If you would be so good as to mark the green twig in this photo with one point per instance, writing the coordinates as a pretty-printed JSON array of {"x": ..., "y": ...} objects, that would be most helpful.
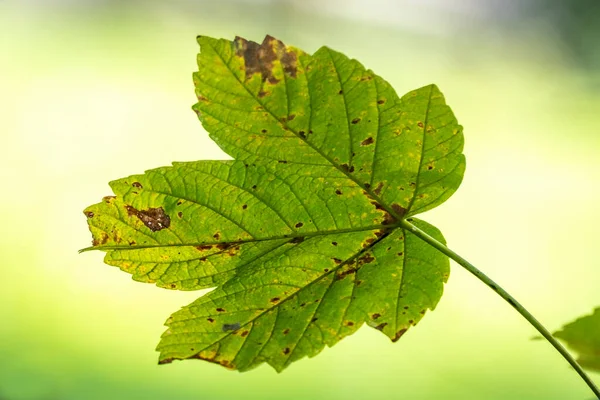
[{"x": 502, "y": 293}]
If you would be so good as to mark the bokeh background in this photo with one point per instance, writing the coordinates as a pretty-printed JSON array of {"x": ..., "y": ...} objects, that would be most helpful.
[{"x": 93, "y": 90}]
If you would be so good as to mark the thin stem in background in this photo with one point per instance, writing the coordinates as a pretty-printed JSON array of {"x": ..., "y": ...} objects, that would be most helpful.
[{"x": 509, "y": 299}]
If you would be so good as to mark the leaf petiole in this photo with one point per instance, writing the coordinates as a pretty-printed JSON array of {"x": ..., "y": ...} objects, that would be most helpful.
[{"x": 504, "y": 294}]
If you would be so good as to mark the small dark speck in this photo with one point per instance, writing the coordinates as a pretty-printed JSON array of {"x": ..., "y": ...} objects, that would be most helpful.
[
  {"x": 220, "y": 309},
  {"x": 245, "y": 206},
  {"x": 89, "y": 214},
  {"x": 264, "y": 131},
  {"x": 253, "y": 186},
  {"x": 286, "y": 351},
  {"x": 334, "y": 243},
  {"x": 137, "y": 185},
  {"x": 299, "y": 225},
  {"x": 356, "y": 121},
  {"x": 314, "y": 319},
  {"x": 338, "y": 192},
  {"x": 180, "y": 214}
]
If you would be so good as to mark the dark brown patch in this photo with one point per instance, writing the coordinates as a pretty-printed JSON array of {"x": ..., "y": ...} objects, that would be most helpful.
[
  {"x": 379, "y": 233},
  {"x": 399, "y": 334},
  {"x": 286, "y": 331},
  {"x": 302, "y": 134},
  {"x": 302, "y": 305},
  {"x": 380, "y": 101},
  {"x": 375, "y": 316},
  {"x": 231, "y": 327},
  {"x": 264, "y": 131},
  {"x": 154, "y": 218},
  {"x": 338, "y": 192},
  {"x": 286, "y": 351},
  {"x": 244, "y": 334},
  {"x": 274, "y": 300},
  {"x": 220, "y": 309},
  {"x": 341, "y": 92},
  {"x": 108, "y": 199},
  {"x": 349, "y": 323},
  {"x": 381, "y": 326},
  {"x": 299, "y": 225},
  {"x": 356, "y": 121},
  {"x": 430, "y": 167},
  {"x": 173, "y": 286},
  {"x": 224, "y": 246},
  {"x": 420, "y": 124},
  {"x": 282, "y": 162},
  {"x": 137, "y": 185},
  {"x": 410, "y": 321},
  {"x": 334, "y": 243},
  {"x": 405, "y": 307},
  {"x": 314, "y": 319},
  {"x": 298, "y": 239},
  {"x": 291, "y": 117},
  {"x": 367, "y": 185},
  {"x": 210, "y": 320},
  {"x": 179, "y": 202},
  {"x": 204, "y": 247},
  {"x": 367, "y": 259},
  {"x": 388, "y": 219},
  {"x": 422, "y": 312},
  {"x": 398, "y": 209},
  {"x": 367, "y": 141},
  {"x": 341, "y": 275},
  {"x": 253, "y": 186},
  {"x": 337, "y": 260},
  {"x": 89, "y": 214},
  {"x": 217, "y": 236},
  {"x": 377, "y": 190},
  {"x": 400, "y": 254},
  {"x": 259, "y": 58},
  {"x": 244, "y": 206},
  {"x": 326, "y": 270}
]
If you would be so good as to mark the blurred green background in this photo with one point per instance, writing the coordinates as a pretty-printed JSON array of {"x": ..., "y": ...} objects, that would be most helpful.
[{"x": 92, "y": 91}]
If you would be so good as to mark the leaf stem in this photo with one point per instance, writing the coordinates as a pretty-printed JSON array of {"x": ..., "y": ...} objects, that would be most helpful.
[{"x": 504, "y": 294}]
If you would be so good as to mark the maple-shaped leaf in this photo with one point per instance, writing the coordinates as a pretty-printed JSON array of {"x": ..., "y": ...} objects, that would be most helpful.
[
  {"x": 302, "y": 233},
  {"x": 583, "y": 336}
]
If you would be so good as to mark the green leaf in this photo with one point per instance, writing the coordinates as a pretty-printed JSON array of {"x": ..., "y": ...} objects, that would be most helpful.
[
  {"x": 583, "y": 336},
  {"x": 300, "y": 233}
]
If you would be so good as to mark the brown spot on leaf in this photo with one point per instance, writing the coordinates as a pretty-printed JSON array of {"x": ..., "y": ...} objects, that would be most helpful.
[
  {"x": 108, "y": 199},
  {"x": 298, "y": 239},
  {"x": 399, "y": 334},
  {"x": 334, "y": 243},
  {"x": 302, "y": 134},
  {"x": 154, "y": 218},
  {"x": 274, "y": 300},
  {"x": 381, "y": 101},
  {"x": 173, "y": 286},
  {"x": 220, "y": 309},
  {"x": 337, "y": 260},
  {"x": 260, "y": 58},
  {"x": 291, "y": 117},
  {"x": 210, "y": 320},
  {"x": 367, "y": 141},
  {"x": 244, "y": 334},
  {"x": 338, "y": 192},
  {"x": 341, "y": 275},
  {"x": 180, "y": 214},
  {"x": 286, "y": 351},
  {"x": 244, "y": 206},
  {"x": 204, "y": 247},
  {"x": 349, "y": 323},
  {"x": 356, "y": 121},
  {"x": 367, "y": 259},
  {"x": 377, "y": 190},
  {"x": 420, "y": 124},
  {"x": 89, "y": 214},
  {"x": 299, "y": 225},
  {"x": 398, "y": 209},
  {"x": 282, "y": 162},
  {"x": 253, "y": 186},
  {"x": 381, "y": 326},
  {"x": 314, "y": 319},
  {"x": 137, "y": 185},
  {"x": 375, "y": 316},
  {"x": 217, "y": 236},
  {"x": 286, "y": 331}
]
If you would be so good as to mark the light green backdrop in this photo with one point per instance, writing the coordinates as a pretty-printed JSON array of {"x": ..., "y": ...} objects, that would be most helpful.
[{"x": 93, "y": 93}]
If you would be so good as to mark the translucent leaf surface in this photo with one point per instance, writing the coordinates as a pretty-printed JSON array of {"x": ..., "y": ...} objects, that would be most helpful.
[
  {"x": 583, "y": 336},
  {"x": 300, "y": 234}
]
